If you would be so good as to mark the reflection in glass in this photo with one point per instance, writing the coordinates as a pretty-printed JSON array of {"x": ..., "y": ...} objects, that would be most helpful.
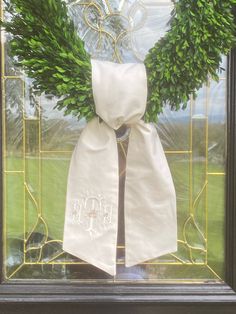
[{"x": 38, "y": 142}]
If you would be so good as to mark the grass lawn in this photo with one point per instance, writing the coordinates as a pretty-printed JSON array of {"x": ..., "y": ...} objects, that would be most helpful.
[{"x": 52, "y": 203}]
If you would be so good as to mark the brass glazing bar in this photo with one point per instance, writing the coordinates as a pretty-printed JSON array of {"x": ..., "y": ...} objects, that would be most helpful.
[
  {"x": 81, "y": 3},
  {"x": 216, "y": 173},
  {"x": 191, "y": 157},
  {"x": 4, "y": 203},
  {"x": 71, "y": 151},
  {"x": 31, "y": 119},
  {"x": 108, "y": 6},
  {"x": 118, "y": 263},
  {"x": 206, "y": 166},
  {"x": 39, "y": 159},
  {"x": 178, "y": 152},
  {"x": 15, "y": 271},
  {"x": 24, "y": 166},
  {"x": 14, "y": 171},
  {"x": 56, "y": 151},
  {"x": 13, "y": 77},
  {"x": 214, "y": 272}
]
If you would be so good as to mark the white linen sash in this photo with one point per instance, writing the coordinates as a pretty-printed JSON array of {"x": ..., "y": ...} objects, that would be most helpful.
[{"x": 91, "y": 217}]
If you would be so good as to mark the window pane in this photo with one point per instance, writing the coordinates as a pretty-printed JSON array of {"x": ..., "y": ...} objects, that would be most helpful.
[{"x": 38, "y": 142}]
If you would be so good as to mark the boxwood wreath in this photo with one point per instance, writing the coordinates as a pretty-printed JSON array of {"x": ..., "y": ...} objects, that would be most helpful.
[{"x": 46, "y": 44}]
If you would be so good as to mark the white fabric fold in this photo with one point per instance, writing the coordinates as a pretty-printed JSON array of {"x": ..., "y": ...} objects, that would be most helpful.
[
  {"x": 150, "y": 201},
  {"x": 91, "y": 217}
]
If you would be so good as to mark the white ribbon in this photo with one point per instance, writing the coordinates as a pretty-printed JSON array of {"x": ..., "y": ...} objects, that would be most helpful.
[{"x": 91, "y": 219}]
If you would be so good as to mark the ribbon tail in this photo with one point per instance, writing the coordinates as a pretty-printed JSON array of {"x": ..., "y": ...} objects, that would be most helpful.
[
  {"x": 150, "y": 199},
  {"x": 91, "y": 218}
]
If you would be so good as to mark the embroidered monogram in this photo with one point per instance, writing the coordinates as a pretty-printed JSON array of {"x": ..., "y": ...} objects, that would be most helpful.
[{"x": 92, "y": 212}]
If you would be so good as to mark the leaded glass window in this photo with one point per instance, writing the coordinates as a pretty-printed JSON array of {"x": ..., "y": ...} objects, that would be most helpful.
[{"x": 38, "y": 142}]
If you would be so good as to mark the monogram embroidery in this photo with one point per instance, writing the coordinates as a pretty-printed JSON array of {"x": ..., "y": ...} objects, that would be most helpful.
[{"x": 92, "y": 212}]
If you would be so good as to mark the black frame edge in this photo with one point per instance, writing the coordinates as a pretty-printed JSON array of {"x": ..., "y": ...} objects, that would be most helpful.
[
  {"x": 126, "y": 294},
  {"x": 230, "y": 225}
]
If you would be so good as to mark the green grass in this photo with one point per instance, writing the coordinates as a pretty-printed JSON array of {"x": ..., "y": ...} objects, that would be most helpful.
[{"x": 52, "y": 203}]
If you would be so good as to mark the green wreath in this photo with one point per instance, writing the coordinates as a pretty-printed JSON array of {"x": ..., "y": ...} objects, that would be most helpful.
[{"x": 47, "y": 46}]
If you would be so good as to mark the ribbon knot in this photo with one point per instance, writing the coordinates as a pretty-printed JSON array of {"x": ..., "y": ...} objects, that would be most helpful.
[{"x": 91, "y": 218}]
